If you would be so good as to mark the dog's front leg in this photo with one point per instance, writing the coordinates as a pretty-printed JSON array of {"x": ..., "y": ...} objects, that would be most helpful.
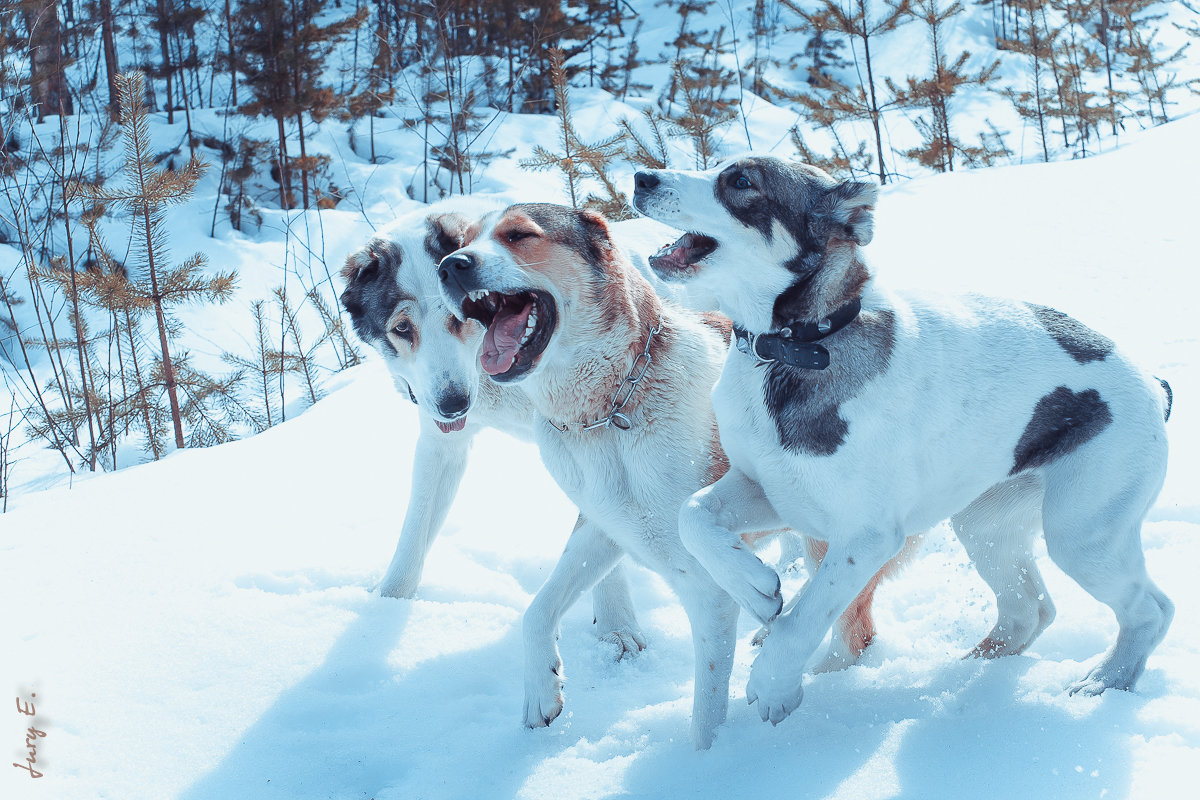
[
  {"x": 438, "y": 466},
  {"x": 713, "y": 616},
  {"x": 711, "y": 523},
  {"x": 777, "y": 674},
  {"x": 613, "y": 615},
  {"x": 588, "y": 556}
]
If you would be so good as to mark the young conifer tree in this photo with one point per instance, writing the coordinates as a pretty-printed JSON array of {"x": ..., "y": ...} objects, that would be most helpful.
[
  {"x": 704, "y": 108},
  {"x": 1148, "y": 64},
  {"x": 577, "y": 158},
  {"x": 376, "y": 93},
  {"x": 935, "y": 92},
  {"x": 148, "y": 193},
  {"x": 862, "y": 26},
  {"x": 280, "y": 51}
]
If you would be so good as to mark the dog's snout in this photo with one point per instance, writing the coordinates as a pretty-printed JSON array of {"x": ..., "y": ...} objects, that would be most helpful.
[
  {"x": 645, "y": 181},
  {"x": 454, "y": 403},
  {"x": 454, "y": 264}
]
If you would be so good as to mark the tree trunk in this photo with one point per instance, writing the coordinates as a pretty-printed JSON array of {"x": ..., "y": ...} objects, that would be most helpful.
[
  {"x": 111, "y": 64},
  {"x": 866, "y": 37},
  {"x": 48, "y": 81},
  {"x": 166, "y": 58},
  {"x": 232, "y": 63}
]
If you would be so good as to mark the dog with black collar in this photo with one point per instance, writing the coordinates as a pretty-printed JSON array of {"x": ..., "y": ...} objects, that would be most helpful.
[{"x": 862, "y": 416}]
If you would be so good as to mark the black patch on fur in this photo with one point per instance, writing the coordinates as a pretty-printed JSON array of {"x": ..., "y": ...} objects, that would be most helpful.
[
  {"x": 1081, "y": 342},
  {"x": 441, "y": 240},
  {"x": 804, "y": 404},
  {"x": 1062, "y": 422},
  {"x": 1170, "y": 398},
  {"x": 372, "y": 293},
  {"x": 782, "y": 193},
  {"x": 807, "y": 203}
]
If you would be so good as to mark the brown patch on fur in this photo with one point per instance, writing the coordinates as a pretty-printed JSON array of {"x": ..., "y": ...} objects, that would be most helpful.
[
  {"x": 752, "y": 538},
  {"x": 856, "y": 624},
  {"x": 840, "y": 278},
  {"x": 398, "y": 341},
  {"x": 455, "y": 326},
  {"x": 718, "y": 463},
  {"x": 719, "y": 323}
]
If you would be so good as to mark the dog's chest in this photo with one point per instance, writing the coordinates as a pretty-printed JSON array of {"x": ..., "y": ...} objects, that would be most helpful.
[{"x": 618, "y": 482}]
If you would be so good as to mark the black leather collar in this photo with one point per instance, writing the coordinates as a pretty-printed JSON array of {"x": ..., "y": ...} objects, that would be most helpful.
[{"x": 796, "y": 344}]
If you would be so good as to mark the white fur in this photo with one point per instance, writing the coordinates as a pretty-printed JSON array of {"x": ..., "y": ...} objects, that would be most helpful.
[
  {"x": 930, "y": 437},
  {"x": 623, "y": 480},
  {"x": 442, "y": 359}
]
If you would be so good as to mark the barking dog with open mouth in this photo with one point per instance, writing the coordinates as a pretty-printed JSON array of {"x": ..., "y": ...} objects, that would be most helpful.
[
  {"x": 862, "y": 416},
  {"x": 392, "y": 297},
  {"x": 621, "y": 383}
]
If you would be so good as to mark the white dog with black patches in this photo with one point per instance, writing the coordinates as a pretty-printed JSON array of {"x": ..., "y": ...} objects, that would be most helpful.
[{"x": 862, "y": 416}]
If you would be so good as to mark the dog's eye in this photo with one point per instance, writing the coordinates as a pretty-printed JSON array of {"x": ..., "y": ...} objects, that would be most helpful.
[
  {"x": 403, "y": 329},
  {"x": 515, "y": 236},
  {"x": 742, "y": 182}
]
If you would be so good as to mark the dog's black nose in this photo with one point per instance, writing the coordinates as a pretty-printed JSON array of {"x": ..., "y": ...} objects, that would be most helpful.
[
  {"x": 453, "y": 403},
  {"x": 456, "y": 261},
  {"x": 645, "y": 181}
]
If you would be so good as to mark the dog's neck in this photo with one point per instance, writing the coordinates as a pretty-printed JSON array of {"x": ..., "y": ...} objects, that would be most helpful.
[
  {"x": 579, "y": 386},
  {"x": 840, "y": 277}
]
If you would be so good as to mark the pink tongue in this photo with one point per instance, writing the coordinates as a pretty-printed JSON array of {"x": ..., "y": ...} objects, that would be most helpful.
[
  {"x": 674, "y": 254},
  {"x": 503, "y": 337}
]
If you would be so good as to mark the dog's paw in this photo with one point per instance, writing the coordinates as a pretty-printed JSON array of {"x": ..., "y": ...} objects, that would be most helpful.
[
  {"x": 624, "y": 643},
  {"x": 751, "y": 583},
  {"x": 776, "y": 696},
  {"x": 1103, "y": 677},
  {"x": 543, "y": 697}
]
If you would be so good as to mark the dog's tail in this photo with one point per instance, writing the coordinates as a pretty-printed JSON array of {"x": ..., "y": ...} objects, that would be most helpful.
[{"x": 1169, "y": 396}]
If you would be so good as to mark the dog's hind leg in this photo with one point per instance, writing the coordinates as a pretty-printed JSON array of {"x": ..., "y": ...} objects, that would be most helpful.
[
  {"x": 588, "y": 556},
  {"x": 997, "y": 531},
  {"x": 438, "y": 466},
  {"x": 614, "y": 617},
  {"x": 1092, "y": 517}
]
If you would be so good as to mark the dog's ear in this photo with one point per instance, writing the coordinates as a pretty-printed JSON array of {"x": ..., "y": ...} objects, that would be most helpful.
[
  {"x": 446, "y": 233},
  {"x": 599, "y": 238},
  {"x": 849, "y": 212},
  {"x": 361, "y": 268}
]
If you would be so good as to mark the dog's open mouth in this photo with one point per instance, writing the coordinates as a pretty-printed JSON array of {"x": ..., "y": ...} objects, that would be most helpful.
[
  {"x": 448, "y": 427},
  {"x": 680, "y": 257},
  {"x": 519, "y": 326}
]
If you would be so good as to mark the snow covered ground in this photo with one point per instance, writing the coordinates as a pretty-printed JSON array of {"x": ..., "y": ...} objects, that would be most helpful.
[{"x": 203, "y": 627}]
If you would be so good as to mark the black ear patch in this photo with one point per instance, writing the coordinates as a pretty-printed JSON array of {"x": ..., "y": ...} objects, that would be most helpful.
[
  {"x": 1062, "y": 422},
  {"x": 446, "y": 233},
  {"x": 372, "y": 293},
  {"x": 1081, "y": 342}
]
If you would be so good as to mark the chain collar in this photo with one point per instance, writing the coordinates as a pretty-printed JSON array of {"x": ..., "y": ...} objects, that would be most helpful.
[{"x": 620, "y": 397}]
